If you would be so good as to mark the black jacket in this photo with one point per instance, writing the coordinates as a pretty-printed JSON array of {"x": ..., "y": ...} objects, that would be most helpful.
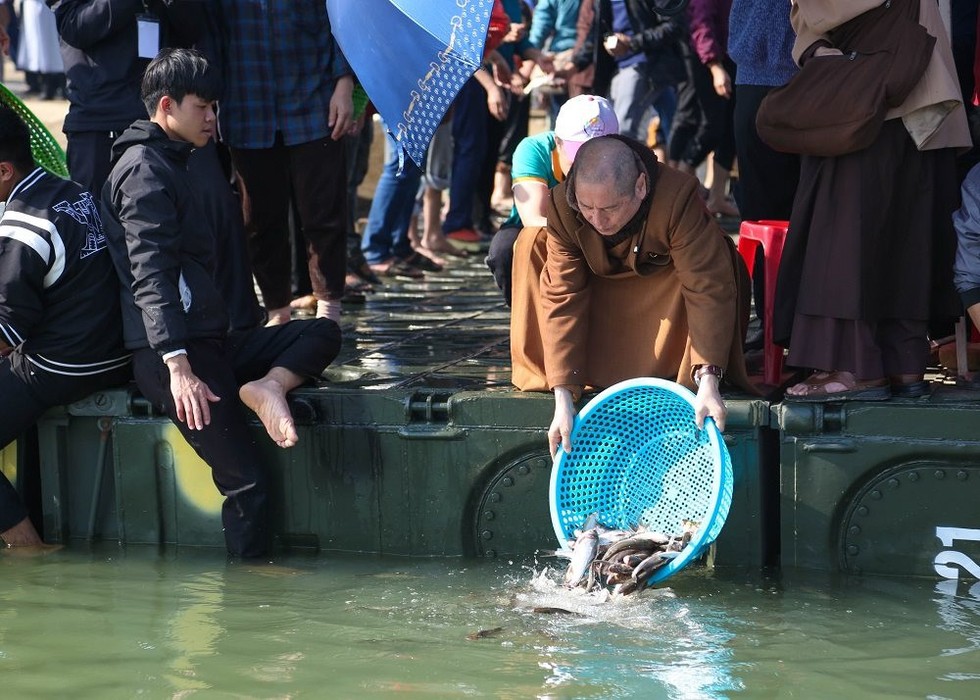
[
  {"x": 99, "y": 48},
  {"x": 59, "y": 296},
  {"x": 161, "y": 242},
  {"x": 662, "y": 39}
]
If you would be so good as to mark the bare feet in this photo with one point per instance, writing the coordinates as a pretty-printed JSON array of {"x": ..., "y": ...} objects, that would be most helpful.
[
  {"x": 22, "y": 534},
  {"x": 267, "y": 398},
  {"x": 277, "y": 317},
  {"x": 305, "y": 303}
]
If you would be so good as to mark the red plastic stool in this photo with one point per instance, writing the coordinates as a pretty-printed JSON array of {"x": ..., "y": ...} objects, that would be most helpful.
[{"x": 770, "y": 235}]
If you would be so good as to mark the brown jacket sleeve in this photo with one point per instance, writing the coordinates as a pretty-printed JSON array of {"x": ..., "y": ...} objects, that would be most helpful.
[
  {"x": 702, "y": 261},
  {"x": 564, "y": 298}
]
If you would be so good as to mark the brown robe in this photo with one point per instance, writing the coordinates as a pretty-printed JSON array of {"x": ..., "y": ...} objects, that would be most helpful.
[{"x": 671, "y": 296}]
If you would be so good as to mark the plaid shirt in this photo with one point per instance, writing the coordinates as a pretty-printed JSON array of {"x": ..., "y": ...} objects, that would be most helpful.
[{"x": 280, "y": 65}]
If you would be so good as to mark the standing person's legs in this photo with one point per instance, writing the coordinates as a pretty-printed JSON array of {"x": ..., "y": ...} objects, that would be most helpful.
[
  {"x": 265, "y": 172},
  {"x": 386, "y": 234},
  {"x": 687, "y": 116},
  {"x": 631, "y": 94},
  {"x": 469, "y": 128},
  {"x": 318, "y": 174},
  {"x": 89, "y": 156},
  {"x": 358, "y": 151},
  {"x": 226, "y": 444},
  {"x": 767, "y": 179}
]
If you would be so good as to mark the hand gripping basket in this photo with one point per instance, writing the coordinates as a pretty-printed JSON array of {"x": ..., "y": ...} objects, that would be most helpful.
[
  {"x": 46, "y": 149},
  {"x": 639, "y": 459}
]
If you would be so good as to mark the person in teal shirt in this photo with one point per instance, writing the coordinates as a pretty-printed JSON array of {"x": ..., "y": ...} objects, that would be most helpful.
[{"x": 541, "y": 162}]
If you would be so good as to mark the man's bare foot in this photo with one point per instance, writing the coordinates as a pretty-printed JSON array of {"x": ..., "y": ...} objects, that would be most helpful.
[
  {"x": 30, "y": 550},
  {"x": 22, "y": 534},
  {"x": 277, "y": 317},
  {"x": 268, "y": 399}
]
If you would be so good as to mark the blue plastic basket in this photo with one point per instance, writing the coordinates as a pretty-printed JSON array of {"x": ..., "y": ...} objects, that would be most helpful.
[{"x": 639, "y": 459}]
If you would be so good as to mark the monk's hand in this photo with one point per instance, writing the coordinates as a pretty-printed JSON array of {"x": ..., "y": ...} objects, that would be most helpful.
[
  {"x": 192, "y": 397},
  {"x": 560, "y": 432},
  {"x": 708, "y": 402}
]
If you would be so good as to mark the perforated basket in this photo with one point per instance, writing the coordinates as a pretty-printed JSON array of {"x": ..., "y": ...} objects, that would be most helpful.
[
  {"x": 46, "y": 149},
  {"x": 639, "y": 459}
]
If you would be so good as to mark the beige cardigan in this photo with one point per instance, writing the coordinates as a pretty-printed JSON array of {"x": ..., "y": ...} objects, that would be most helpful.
[{"x": 933, "y": 113}]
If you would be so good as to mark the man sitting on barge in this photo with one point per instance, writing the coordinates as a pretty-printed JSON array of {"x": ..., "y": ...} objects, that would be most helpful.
[{"x": 60, "y": 337}]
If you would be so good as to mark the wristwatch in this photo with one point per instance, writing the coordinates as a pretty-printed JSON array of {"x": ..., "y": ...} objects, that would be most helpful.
[{"x": 698, "y": 371}]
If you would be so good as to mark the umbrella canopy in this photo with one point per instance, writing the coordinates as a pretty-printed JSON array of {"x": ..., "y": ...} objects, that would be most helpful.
[{"x": 412, "y": 57}]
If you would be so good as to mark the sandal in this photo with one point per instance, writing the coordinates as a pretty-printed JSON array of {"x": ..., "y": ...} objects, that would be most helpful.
[
  {"x": 823, "y": 387},
  {"x": 422, "y": 262}
]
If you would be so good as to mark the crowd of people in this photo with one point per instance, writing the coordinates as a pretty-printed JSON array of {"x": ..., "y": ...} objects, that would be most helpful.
[{"x": 215, "y": 148}]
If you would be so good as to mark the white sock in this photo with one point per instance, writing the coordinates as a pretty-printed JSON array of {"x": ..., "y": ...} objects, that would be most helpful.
[{"x": 328, "y": 309}]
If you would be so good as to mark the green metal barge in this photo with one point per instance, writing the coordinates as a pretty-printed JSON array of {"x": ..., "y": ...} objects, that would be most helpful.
[{"x": 416, "y": 444}]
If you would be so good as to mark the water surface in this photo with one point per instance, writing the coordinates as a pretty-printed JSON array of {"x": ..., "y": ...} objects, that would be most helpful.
[{"x": 111, "y": 622}]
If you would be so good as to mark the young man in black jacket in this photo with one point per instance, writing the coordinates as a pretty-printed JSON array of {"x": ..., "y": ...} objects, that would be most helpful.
[
  {"x": 60, "y": 336},
  {"x": 174, "y": 318}
]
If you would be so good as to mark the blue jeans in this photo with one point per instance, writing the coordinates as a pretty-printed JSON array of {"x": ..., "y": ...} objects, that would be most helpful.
[
  {"x": 386, "y": 234},
  {"x": 632, "y": 93},
  {"x": 470, "y": 117}
]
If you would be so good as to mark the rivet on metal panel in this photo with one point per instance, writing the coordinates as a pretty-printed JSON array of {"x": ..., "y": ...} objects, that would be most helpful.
[
  {"x": 962, "y": 475},
  {"x": 862, "y": 510},
  {"x": 507, "y": 481},
  {"x": 491, "y": 554},
  {"x": 487, "y": 534},
  {"x": 852, "y": 549},
  {"x": 854, "y": 530},
  {"x": 489, "y": 515},
  {"x": 495, "y": 497},
  {"x": 541, "y": 463},
  {"x": 876, "y": 495},
  {"x": 893, "y": 483},
  {"x": 523, "y": 470},
  {"x": 939, "y": 474},
  {"x": 914, "y": 476}
]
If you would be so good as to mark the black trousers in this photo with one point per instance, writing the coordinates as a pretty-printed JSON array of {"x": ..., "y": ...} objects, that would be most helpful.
[
  {"x": 703, "y": 119},
  {"x": 27, "y": 392},
  {"x": 226, "y": 444},
  {"x": 767, "y": 179},
  {"x": 314, "y": 174},
  {"x": 500, "y": 258},
  {"x": 89, "y": 154}
]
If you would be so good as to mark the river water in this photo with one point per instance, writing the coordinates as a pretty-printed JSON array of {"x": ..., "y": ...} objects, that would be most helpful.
[{"x": 111, "y": 622}]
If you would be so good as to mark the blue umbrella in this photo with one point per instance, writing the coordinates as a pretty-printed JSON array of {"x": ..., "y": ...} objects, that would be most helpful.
[{"x": 412, "y": 57}]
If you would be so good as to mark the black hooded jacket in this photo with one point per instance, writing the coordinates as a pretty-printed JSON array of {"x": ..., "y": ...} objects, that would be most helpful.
[{"x": 161, "y": 243}]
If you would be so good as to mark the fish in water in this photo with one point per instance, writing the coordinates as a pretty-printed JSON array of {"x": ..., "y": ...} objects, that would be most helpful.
[
  {"x": 483, "y": 634},
  {"x": 583, "y": 554},
  {"x": 547, "y": 610}
]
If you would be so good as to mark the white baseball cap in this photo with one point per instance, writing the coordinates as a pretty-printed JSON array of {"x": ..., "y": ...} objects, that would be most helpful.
[{"x": 582, "y": 118}]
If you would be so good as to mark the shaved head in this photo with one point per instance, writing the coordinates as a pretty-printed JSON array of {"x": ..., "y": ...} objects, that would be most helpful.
[
  {"x": 609, "y": 162},
  {"x": 607, "y": 184}
]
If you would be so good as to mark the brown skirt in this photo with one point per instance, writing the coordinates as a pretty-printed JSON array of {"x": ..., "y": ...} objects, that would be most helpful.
[{"x": 870, "y": 237}]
